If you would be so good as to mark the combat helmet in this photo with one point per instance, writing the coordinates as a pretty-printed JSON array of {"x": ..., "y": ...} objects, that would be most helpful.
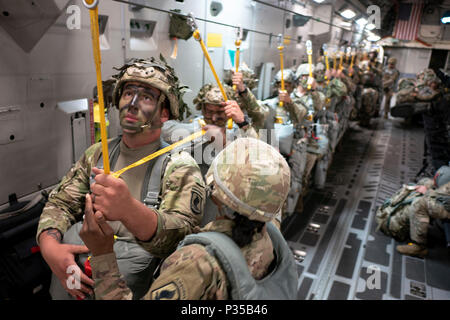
[
  {"x": 392, "y": 60},
  {"x": 442, "y": 176},
  {"x": 303, "y": 70},
  {"x": 288, "y": 76},
  {"x": 157, "y": 74},
  {"x": 211, "y": 94},
  {"x": 250, "y": 177},
  {"x": 248, "y": 75},
  {"x": 319, "y": 72}
]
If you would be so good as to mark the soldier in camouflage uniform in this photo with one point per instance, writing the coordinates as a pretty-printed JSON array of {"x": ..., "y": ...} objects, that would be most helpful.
[
  {"x": 393, "y": 217},
  {"x": 369, "y": 94},
  {"x": 435, "y": 203},
  {"x": 240, "y": 256},
  {"x": 390, "y": 77},
  {"x": 285, "y": 123},
  {"x": 215, "y": 112},
  {"x": 290, "y": 110},
  {"x": 245, "y": 81},
  {"x": 318, "y": 147},
  {"x": 147, "y": 94},
  {"x": 377, "y": 69},
  {"x": 335, "y": 92}
]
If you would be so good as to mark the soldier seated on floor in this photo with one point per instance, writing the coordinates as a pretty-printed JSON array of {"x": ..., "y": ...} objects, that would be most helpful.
[{"x": 406, "y": 215}]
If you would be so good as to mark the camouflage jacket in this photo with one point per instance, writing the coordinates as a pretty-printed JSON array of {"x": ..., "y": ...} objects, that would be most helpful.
[
  {"x": 295, "y": 110},
  {"x": 390, "y": 77},
  {"x": 254, "y": 108},
  {"x": 182, "y": 180},
  {"x": 394, "y": 216},
  {"x": 190, "y": 273}
]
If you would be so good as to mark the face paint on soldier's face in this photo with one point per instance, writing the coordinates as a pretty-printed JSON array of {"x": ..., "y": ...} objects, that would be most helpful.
[
  {"x": 289, "y": 87},
  {"x": 214, "y": 114},
  {"x": 303, "y": 82},
  {"x": 137, "y": 106}
]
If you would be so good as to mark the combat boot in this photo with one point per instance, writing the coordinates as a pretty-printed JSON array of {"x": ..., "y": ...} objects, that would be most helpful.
[{"x": 413, "y": 249}]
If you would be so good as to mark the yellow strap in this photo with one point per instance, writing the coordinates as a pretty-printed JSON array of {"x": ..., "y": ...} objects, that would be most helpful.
[
  {"x": 282, "y": 77},
  {"x": 310, "y": 69},
  {"x": 236, "y": 59},
  {"x": 351, "y": 64},
  {"x": 159, "y": 152},
  {"x": 197, "y": 37},
  {"x": 97, "y": 58}
]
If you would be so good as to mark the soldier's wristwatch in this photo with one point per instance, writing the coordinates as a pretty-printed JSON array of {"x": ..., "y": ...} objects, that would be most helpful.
[
  {"x": 242, "y": 92},
  {"x": 244, "y": 123}
]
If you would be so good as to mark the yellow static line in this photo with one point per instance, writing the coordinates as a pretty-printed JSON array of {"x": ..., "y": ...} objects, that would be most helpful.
[
  {"x": 97, "y": 58},
  {"x": 197, "y": 37},
  {"x": 282, "y": 77},
  {"x": 159, "y": 152}
]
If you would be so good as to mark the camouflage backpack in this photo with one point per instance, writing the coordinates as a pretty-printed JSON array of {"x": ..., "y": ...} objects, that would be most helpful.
[{"x": 406, "y": 86}]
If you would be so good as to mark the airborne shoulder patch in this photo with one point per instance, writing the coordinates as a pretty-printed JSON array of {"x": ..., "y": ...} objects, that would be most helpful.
[
  {"x": 169, "y": 291},
  {"x": 196, "y": 202}
]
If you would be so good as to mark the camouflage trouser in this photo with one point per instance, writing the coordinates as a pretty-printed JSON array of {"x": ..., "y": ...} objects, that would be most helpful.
[
  {"x": 297, "y": 163},
  {"x": 311, "y": 159},
  {"x": 387, "y": 102},
  {"x": 333, "y": 132},
  {"x": 135, "y": 264},
  {"x": 357, "y": 105},
  {"x": 398, "y": 226},
  {"x": 369, "y": 100},
  {"x": 320, "y": 174},
  {"x": 423, "y": 209}
]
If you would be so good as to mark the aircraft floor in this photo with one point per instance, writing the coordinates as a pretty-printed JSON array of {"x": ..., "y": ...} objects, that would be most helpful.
[{"x": 346, "y": 259}]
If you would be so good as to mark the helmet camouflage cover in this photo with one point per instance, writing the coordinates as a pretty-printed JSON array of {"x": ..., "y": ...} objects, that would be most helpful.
[
  {"x": 250, "y": 177},
  {"x": 288, "y": 76},
  {"x": 248, "y": 74},
  {"x": 392, "y": 60},
  {"x": 157, "y": 74},
  {"x": 303, "y": 70},
  {"x": 319, "y": 72},
  {"x": 211, "y": 94}
]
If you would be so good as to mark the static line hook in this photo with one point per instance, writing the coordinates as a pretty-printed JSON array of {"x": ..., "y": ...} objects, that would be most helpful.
[{"x": 90, "y": 4}]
